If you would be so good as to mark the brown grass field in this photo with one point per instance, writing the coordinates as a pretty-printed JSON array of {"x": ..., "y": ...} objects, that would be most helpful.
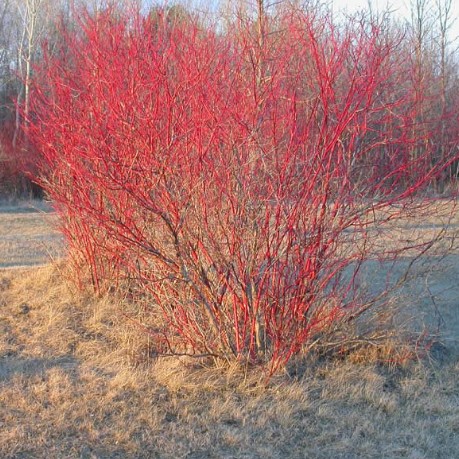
[{"x": 77, "y": 381}]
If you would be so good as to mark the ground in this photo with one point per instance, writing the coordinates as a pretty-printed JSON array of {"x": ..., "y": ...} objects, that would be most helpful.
[
  {"x": 76, "y": 380},
  {"x": 28, "y": 235}
]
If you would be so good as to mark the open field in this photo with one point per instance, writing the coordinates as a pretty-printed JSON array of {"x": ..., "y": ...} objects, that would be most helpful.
[
  {"x": 77, "y": 381},
  {"x": 27, "y": 235}
]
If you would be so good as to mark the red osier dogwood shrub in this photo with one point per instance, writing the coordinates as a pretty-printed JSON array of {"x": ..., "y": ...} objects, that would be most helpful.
[{"x": 228, "y": 181}]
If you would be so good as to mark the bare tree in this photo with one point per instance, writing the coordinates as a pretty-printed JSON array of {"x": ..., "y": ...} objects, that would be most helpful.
[
  {"x": 422, "y": 23},
  {"x": 445, "y": 22},
  {"x": 35, "y": 19},
  {"x": 6, "y": 54},
  {"x": 28, "y": 12}
]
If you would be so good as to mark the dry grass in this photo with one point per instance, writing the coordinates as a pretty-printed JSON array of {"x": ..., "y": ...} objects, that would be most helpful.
[
  {"x": 77, "y": 381},
  {"x": 27, "y": 235}
]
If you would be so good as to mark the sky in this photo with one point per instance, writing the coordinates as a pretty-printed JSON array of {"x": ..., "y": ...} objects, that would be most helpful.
[{"x": 400, "y": 8}]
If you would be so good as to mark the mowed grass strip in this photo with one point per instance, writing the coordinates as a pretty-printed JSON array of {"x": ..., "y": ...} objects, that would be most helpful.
[{"x": 28, "y": 235}]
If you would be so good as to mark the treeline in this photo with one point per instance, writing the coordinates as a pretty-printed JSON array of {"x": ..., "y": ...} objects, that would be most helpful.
[
  {"x": 425, "y": 50},
  {"x": 27, "y": 27}
]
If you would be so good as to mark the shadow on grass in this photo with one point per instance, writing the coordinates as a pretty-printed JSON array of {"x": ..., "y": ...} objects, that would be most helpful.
[
  {"x": 78, "y": 431},
  {"x": 9, "y": 367}
]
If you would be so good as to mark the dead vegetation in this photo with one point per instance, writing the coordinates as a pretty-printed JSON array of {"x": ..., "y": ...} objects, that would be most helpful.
[
  {"x": 28, "y": 234},
  {"x": 77, "y": 381}
]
